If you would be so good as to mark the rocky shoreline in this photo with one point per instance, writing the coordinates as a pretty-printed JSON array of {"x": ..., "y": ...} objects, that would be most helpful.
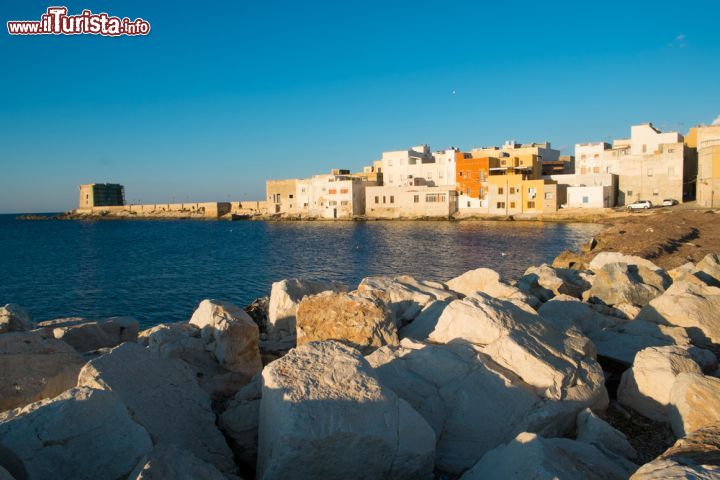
[{"x": 607, "y": 370}]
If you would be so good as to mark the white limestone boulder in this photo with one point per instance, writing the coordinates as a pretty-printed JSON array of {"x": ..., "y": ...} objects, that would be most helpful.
[
  {"x": 489, "y": 282},
  {"x": 86, "y": 335},
  {"x": 708, "y": 270},
  {"x": 475, "y": 404},
  {"x": 694, "y": 306},
  {"x": 324, "y": 414},
  {"x": 170, "y": 462},
  {"x": 604, "y": 258},
  {"x": 696, "y": 457},
  {"x": 623, "y": 342},
  {"x": 362, "y": 322},
  {"x": 240, "y": 420},
  {"x": 521, "y": 341},
  {"x": 80, "y": 434},
  {"x": 646, "y": 386},
  {"x": 620, "y": 283},
  {"x": 231, "y": 335},
  {"x": 184, "y": 341},
  {"x": 163, "y": 396},
  {"x": 530, "y": 456},
  {"x": 14, "y": 318},
  {"x": 694, "y": 403},
  {"x": 33, "y": 367},
  {"x": 285, "y": 296},
  {"x": 564, "y": 312},
  {"x": 404, "y": 295},
  {"x": 425, "y": 322},
  {"x": 596, "y": 431},
  {"x": 546, "y": 282}
]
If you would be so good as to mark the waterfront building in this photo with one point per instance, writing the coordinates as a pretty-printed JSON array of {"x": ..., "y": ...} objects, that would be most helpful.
[
  {"x": 402, "y": 167},
  {"x": 410, "y": 201},
  {"x": 101, "y": 195},
  {"x": 563, "y": 166},
  {"x": 587, "y": 191},
  {"x": 280, "y": 195},
  {"x": 705, "y": 141},
  {"x": 515, "y": 185},
  {"x": 651, "y": 165},
  {"x": 542, "y": 150}
]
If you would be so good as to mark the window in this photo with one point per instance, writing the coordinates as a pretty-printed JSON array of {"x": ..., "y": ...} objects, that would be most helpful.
[
  {"x": 512, "y": 190},
  {"x": 302, "y": 190},
  {"x": 585, "y": 200},
  {"x": 377, "y": 199},
  {"x": 482, "y": 192},
  {"x": 583, "y": 156},
  {"x": 548, "y": 195},
  {"x": 596, "y": 169},
  {"x": 500, "y": 205},
  {"x": 416, "y": 198},
  {"x": 644, "y": 148},
  {"x": 482, "y": 176},
  {"x": 332, "y": 191},
  {"x": 461, "y": 173},
  {"x": 501, "y": 190},
  {"x": 290, "y": 196},
  {"x": 390, "y": 162},
  {"x": 392, "y": 198},
  {"x": 305, "y": 204},
  {"x": 435, "y": 197},
  {"x": 441, "y": 174},
  {"x": 332, "y": 203},
  {"x": 384, "y": 199},
  {"x": 343, "y": 190},
  {"x": 468, "y": 204},
  {"x": 655, "y": 192},
  {"x": 597, "y": 155},
  {"x": 671, "y": 150},
  {"x": 531, "y": 204},
  {"x": 583, "y": 171},
  {"x": 629, "y": 193},
  {"x": 512, "y": 204},
  {"x": 344, "y": 203}
]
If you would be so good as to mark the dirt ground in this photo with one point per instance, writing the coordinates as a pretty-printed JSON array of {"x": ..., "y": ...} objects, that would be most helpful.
[{"x": 669, "y": 237}]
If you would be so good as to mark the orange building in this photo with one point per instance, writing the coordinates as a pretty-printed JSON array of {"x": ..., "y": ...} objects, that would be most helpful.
[{"x": 471, "y": 175}]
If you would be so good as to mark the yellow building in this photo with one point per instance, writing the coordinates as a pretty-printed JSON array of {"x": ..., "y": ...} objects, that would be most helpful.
[{"x": 515, "y": 186}]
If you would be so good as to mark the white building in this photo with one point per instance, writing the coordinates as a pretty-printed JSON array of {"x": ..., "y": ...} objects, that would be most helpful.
[
  {"x": 335, "y": 195},
  {"x": 651, "y": 165},
  {"x": 587, "y": 191},
  {"x": 401, "y": 168}
]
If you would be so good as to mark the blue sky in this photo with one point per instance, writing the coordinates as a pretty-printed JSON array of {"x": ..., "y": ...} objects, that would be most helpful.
[{"x": 216, "y": 100}]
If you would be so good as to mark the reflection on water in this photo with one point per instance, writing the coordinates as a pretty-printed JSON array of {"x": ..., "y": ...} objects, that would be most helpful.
[{"x": 158, "y": 271}]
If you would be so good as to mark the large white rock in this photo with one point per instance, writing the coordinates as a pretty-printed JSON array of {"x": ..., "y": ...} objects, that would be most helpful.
[
  {"x": 604, "y": 258},
  {"x": 475, "y": 404},
  {"x": 489, "y": 281},
  {"x": 231, "y": 335},
  {"x": 695, "y": 457},
  {"x": 324, "y": 414},
  {"x": 240, "y": 420},
  {"x": 285, "y": 297},
  {"x": 694, "y": 403},
  {"x": 14, "y": 318},
  {"x": 80, "y": 434},
  {"x": 170, "y": 462},
  {"x": 33, "y": 367},
  {"x": 87, "y": 335},
  {"x": 708, "y": 269},
  {"x": 564, "y": 312},
  {"x": 596, "y": 431},
  {"x": 521, "y": 341},
  {"x": 404, "y": 295},
  {"x": 184, "y": 341},
  {"x": 529, "y": 456},
  {"x": 622, "y": 342},
  {"x": 546, "y": 282},
  {"x": 694, "y": 306},
  {"x": 163, "y": 396},
  {"x": 620, "y": 283},
  {"x": 646, "y": 386},
  {"x": 425, "y": 322},
  {"x": 362, "y": 322}
]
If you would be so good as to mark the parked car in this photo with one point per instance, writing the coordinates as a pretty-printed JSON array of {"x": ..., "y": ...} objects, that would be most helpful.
[
  {"x": 669, "y": 202},
  {"x": 640, "y": 205}
]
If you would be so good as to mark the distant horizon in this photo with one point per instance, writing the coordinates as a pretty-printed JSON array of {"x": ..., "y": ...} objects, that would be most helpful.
[{"x": 207, "y": 110}]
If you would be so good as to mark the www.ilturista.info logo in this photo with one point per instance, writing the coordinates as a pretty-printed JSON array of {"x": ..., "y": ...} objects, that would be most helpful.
[{"x": 57, "y": 22}]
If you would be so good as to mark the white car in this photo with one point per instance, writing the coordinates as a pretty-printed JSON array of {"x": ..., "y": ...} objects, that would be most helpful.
[
  {"x": 669, "y": 202},
  {"x": 640, "y": 205}
]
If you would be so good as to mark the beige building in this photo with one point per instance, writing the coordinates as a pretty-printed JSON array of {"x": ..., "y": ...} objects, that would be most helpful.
[
  {"x": 650, "y": 165},
  {"x": 101, "y": 195},
  {"x": 542, "y": 150},
  {"x": 705, "y": 140},
  {"x": 403, "y": 167},
  {"x": 419, "y": 200},
  {"x": 280, "y": 195}
]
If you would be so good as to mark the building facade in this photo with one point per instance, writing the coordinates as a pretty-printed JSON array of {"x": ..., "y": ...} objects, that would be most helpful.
[
  {"x": 401, "y": 168},
  {"x": 420, "y": 200},
  {"x": 705, "y": 140},
  {"x": 588, "y": 191}
]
